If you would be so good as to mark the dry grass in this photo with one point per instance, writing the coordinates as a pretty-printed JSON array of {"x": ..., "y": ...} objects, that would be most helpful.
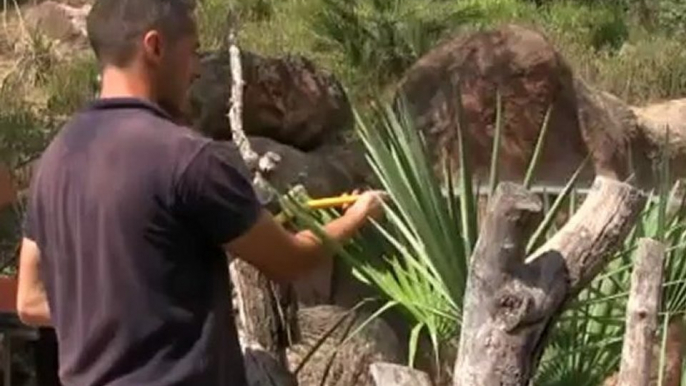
[
  {"x": 643, "y": 71},
  {"x": 608, "y": 50}
]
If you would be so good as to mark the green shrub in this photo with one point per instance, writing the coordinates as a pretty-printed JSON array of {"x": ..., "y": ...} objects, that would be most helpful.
[
  {"x": 596, "y": 27},
  {"x": 380, "y": 39},
  {"x": 646, "y": 70},
  {"x": 71, "y": 84},
  {"x": 24, "y": 132},
  {"x": 256, "y": 10},
  {"x": 671, "y": 15},
  {"x": 35, "y": 58},
  {"x": 214, "y": 15}
]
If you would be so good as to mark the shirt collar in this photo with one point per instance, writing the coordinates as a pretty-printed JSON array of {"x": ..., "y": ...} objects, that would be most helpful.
[{"x": 127, "y": 103}]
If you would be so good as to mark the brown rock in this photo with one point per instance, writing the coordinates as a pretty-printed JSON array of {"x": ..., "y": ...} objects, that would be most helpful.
[
  {"x": 531, "y": 75},
  {"x": 58, "y": 21},
  {"x": 77, "y": 3},
  {"x": 285, "y": 99},
  {"x": 347, "y": 364},
  {"x": 663, "y": 126}
]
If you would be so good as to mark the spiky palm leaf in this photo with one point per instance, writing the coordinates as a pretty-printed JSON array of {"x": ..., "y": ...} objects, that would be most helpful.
[{"x": 431, "y": 224}]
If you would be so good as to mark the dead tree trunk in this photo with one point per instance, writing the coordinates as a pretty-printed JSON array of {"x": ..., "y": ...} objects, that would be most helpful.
[
  {"x": 265, "y": 310},
  {"x": 263, "y": 329},
  {"x": 642, "y": 310},
  {"x": 512, "y": 301}
]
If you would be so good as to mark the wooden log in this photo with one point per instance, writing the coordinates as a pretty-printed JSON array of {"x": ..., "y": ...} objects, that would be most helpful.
[
  {"x": 388, "y": 374},
  {"x": 512, "y": 302},
  {"x": 642, "y": 310},
  {"x": 256, "y": 307},
  {"x": 267, "y": 311}
]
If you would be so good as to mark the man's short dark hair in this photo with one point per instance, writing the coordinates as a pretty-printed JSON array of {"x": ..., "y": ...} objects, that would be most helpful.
[{"x": 115, "y": 26}]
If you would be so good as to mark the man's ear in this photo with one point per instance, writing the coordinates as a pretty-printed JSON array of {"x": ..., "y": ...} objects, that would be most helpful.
[{"x": 153, "y": 46}]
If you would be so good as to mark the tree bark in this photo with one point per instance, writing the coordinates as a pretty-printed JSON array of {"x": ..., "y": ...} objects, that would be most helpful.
[
  {"x": 267, "y": 311},
  {"x": 267, "y": 319},
  {"x": 388, "y": 374},
  {"x": 512, "y": 301},
  {"x": 642, "y": 310}
]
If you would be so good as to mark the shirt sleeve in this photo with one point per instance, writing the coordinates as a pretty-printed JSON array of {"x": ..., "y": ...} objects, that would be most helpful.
[
  {"x": 216, "y": 192},
  {"x": 27, "y": 226},
  {"x": 28, "y": 220}
]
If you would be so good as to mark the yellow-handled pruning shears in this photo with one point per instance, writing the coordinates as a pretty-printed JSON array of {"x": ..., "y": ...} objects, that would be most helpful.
[
  {"x": 332, "y": 202},
  {"x": 324, "y": 203}
]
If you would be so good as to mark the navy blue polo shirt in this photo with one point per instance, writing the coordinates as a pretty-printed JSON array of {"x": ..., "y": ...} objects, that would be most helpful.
[{"x": 130, "y": 211}]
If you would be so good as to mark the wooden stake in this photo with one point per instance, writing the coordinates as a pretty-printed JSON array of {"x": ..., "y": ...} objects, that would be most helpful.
[{"x": 642, "y": 311}]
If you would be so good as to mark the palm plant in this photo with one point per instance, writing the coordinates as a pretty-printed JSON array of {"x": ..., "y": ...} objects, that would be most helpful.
[{"x": 431, "y": 227}]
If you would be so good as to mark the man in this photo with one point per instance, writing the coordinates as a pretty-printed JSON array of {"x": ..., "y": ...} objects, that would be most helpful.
[{"x": 130, "y": 215}]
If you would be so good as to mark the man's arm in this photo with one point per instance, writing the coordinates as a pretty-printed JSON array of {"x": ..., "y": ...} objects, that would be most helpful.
[
  {"x": 215, "y": 192},
  {"x": 284, "y": 256},
  {"x": 32, "y": 302}
]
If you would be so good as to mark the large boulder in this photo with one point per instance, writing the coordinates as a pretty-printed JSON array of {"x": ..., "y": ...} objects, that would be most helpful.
[
  {"x": 59, "y": 21},
  {"x": 531, "y": 75},
  {"x": 662, "y": 126},
  {"x": 333, "y": 364},
  {"x": 659, "y": 118},
  {"x": 286, "y": 99}
]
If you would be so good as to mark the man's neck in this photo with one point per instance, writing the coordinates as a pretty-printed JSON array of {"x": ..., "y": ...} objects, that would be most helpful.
[{"x": 118, "y": 83}]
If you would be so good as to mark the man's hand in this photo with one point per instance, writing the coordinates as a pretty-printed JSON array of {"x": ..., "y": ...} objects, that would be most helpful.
[
  {"x": 368, "y": 205},
  {"x": 284, "y": 256},
  {"x": 32, "y": 302}
]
